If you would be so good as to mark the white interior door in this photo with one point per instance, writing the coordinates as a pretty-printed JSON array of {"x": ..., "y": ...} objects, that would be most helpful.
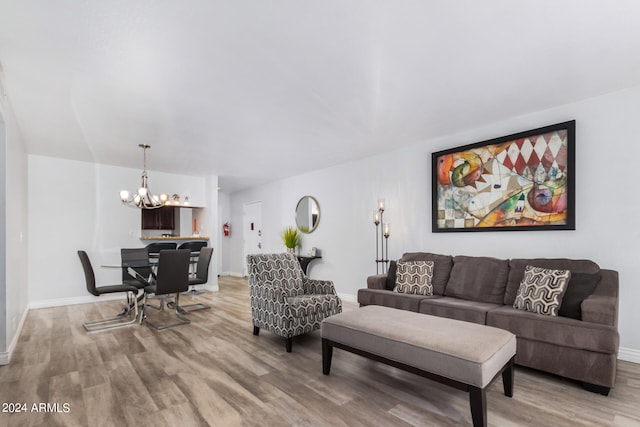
[{"x": 252, "y": 231}]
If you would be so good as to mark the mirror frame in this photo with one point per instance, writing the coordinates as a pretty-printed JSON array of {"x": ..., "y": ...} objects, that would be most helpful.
[{"x": 312, "y": 229}]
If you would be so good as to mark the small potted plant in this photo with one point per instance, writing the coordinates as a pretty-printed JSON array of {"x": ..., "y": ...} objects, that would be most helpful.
[{"x": 291, "y": 239}]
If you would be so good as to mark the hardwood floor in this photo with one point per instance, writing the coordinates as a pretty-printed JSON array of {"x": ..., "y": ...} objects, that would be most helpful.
[{"x": 215, "y": 372}]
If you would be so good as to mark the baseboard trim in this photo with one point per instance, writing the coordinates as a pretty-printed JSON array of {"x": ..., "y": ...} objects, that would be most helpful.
[
  {"x": 348, "y": 297},
  {"x": 212, "y": 288},
  {"x": 629, "y": 355},
  {"x": 5, "y": 356},
  {"x": 234, "y": 274},
  {"x": 88, "y": 299}
]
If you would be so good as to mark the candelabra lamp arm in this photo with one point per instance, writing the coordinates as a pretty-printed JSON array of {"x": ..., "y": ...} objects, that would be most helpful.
[{"x": 318, "y": 287}]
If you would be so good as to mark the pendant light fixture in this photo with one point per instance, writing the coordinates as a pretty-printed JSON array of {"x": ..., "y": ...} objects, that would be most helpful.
[{"x": 142, "y": 197}]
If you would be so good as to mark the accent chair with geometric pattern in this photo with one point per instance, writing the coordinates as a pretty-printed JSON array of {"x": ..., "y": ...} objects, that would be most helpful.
[{"x": 285, "y": 301}]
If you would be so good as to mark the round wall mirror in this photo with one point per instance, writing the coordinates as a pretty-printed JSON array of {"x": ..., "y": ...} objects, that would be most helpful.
[{"x": 307, "y": 214}]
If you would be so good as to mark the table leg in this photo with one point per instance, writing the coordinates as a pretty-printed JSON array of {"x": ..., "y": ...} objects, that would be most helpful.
[
  {"x": 478, "y": 401},
  {"x": 327, "y": 354},
  {"x": 507, "y": 378}
]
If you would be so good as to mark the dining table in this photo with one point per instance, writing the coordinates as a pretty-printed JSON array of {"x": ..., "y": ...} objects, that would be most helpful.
[{"x": 152, "y": 262}]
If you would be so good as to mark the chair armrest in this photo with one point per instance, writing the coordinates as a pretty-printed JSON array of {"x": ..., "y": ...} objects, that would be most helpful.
[
  {"x": 379, "y": 281},
  {"x": 602, "y": 306},
  {"x": 267, "y": 292},
  {"x": 314, "y": 286}
]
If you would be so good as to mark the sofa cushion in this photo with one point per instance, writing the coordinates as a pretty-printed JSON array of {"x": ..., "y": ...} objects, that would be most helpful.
[
  {"x": 517, "y": 265},
  {"x": 579, "y": 288},
  {"x": 441, "y": 268},
  {"x": 562, "y": 331},
  {"x": 541, "y": 290},
  {"x": 391, "y": 276},
  {"x": 456, "y": 308},
  {"x": 391, "y": 299},
  {"x": 414, "y": 277},
  {"x": 478, "y": 279}
]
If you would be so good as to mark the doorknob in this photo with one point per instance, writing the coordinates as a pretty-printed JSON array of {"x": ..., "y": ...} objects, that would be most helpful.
[{"x": 260, "y": 245}]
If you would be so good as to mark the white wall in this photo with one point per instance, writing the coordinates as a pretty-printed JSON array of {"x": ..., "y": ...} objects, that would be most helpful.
[
  {"x": 3, "y": 235},
  {"x": 210, "y": 221},
  {"x": 606, "y": 205},
  {"x": 13, "y": 249},
  {"x": 224, "y": 213},
  {"x": 75, "y": 205}
]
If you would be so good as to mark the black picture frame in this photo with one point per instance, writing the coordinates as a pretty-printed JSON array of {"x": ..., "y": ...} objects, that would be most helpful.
[{"x": 519, "y": 182}]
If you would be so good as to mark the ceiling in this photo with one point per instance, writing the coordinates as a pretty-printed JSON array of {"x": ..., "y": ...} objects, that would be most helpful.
[{"x": 255, "y": 90}]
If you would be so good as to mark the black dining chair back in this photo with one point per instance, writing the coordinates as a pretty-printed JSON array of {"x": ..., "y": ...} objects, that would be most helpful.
[
  {"x": 173, "y": 271},
  {"x": 138, "y": 260},
  {"x": 120, "y": 319},
  {"x": 193, "y": 246},
  {"x": 89, "y": 275},
  {"x": 172, "y": 277},
  {"x": 155, "y": 248},
  {"x": 202, "y": 269}
]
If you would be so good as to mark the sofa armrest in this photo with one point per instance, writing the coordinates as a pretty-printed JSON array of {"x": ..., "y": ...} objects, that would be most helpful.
[
  {"x": 379, "y": 281},
  {"x": 602, "y": 306},
  {"x": 600, "y": 309},
  {"x": 314, "y": 286}
]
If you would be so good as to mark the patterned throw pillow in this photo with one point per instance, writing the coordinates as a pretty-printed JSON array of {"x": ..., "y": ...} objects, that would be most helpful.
[
  {"x": 541, "y": 290},
  {"x": 414, "y": 277}
]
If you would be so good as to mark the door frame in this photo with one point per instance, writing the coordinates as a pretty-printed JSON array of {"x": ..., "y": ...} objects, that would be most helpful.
[{"x": 246, "y": 224}]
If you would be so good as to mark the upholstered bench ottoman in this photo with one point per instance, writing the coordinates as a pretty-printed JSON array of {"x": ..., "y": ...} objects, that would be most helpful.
[{"x": 464, "y": 355}]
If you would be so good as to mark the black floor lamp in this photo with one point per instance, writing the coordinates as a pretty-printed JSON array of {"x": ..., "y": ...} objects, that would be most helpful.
[{"x": 382, "y": 238}]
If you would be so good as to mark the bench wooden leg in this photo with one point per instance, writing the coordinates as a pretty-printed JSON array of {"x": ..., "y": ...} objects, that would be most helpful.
[
  {"x": 507, "y": 378},
  {"x": 327, "y": 354},
  {"x": 478, "y": 401}
]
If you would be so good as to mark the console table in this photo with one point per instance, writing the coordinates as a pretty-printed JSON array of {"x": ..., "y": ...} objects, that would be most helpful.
[{"x": 305, "y": 260}]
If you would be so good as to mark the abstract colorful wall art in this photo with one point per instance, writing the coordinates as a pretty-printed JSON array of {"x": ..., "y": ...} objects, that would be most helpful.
[{"x": 523, "y": 181}]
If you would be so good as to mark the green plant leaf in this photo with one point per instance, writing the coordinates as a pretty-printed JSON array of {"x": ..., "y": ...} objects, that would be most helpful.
[{"x": 291, "y": 238}]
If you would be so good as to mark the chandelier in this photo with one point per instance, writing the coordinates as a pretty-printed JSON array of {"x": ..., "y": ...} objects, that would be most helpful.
[{"x": 142, "y": 198}]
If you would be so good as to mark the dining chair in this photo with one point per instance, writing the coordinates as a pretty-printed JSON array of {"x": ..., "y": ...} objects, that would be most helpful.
[
  {"x": 138, "y": 260},
  {"x": 202, "y": 276},
  {"x": 194, "y": 246},
  {"x": 172, "y": 277},
  {"x": 155, "y": 248},
  {"x": 112, "y": 322}
]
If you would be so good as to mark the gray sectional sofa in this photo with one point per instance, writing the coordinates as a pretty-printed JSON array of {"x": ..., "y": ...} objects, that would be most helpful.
[{"x": 580, "y": 343}]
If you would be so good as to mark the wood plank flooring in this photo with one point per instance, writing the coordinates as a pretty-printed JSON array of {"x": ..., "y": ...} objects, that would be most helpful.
[{"x": 215, "y": 372}]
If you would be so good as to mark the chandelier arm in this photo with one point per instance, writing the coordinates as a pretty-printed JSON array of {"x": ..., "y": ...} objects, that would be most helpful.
[{"x": 142, "y": 198}]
